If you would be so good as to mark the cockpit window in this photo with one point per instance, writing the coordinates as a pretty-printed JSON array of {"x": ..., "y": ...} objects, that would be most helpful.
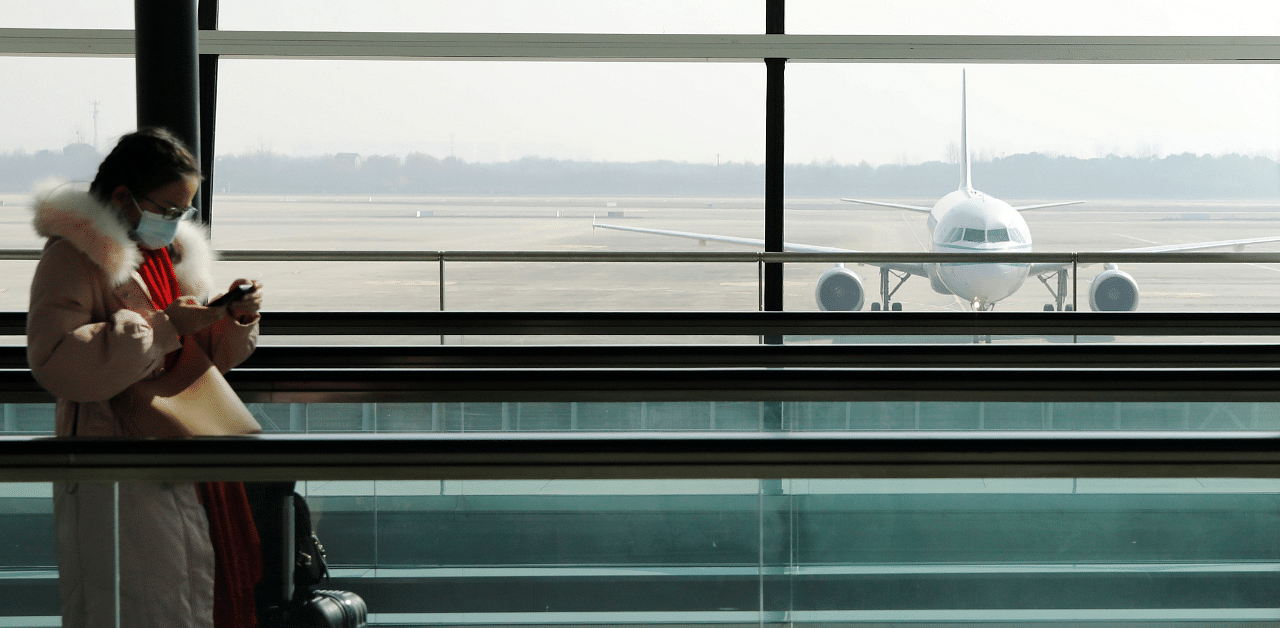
[
  {"x": 955, "y": 234},
  {"x": 975, "y": 235},
  {"x": 1017, "y": 236},
  {"x": 998, "y": 235}
]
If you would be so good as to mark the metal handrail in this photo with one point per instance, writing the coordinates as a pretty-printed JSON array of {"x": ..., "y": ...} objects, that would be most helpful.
[
  {"x": 646, "y": 47},
  {"x": 727, "y": 356},
  {"x": 653, "y": 455},
  {"x": 750, "y": 324},
  {"x": 852, "y": 257},
  {"x": 760, "y": 258},
  {"x": 747, "y": 384}
]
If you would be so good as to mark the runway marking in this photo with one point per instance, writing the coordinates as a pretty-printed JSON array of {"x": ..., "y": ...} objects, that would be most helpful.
[
  {"x": 911, "y": 226},
  {"x": 1180, "y": 295},
  {"x": 393, "y": 282},
  {"x": 1138, "y": 239},
  {"x": 754, "y": 284}
]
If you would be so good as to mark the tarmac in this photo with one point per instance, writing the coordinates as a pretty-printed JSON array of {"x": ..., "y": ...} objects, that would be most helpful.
[{"x": 434, "y": 223}]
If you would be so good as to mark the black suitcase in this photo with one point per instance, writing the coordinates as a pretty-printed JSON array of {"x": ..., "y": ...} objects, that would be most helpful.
[
  {"x": 334, "y": 609},
  {"x": 293, "y": 564}
]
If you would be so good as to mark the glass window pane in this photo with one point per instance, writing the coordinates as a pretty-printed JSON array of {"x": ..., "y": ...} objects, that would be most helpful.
[
  {"x": 66, "y": 14},
  {"x": 497, "y": 16},
  {"x": 53, "y": 130},
  {"x": 1014, "y": 17},
  {"x": 1134, "y": 158},
  {"x": 61, "y": 128},
  {"x": 490, "y": 156}
]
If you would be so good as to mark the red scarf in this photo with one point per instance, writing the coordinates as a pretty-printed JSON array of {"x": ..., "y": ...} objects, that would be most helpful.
[{"x": 236, "y": 548}]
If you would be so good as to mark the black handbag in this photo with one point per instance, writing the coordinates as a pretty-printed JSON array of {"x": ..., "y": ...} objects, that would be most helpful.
[{"x": 309, "y": 568}]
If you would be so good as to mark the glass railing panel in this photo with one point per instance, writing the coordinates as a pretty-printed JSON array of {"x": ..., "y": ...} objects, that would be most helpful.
[
  {"x": 1033, "y": 551},
  {"x": 979, "y": 551},
  {"x": 26, "y": 419},
  {"x": 28, "y": 558},
  {"x": 806, "y": 551},
  {"x": 982, "y": 551},
  {"x": 742, "y": 416},
  {"x": 592, "y": 552}
]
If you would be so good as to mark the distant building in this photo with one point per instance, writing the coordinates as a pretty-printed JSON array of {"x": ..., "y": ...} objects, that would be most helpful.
[{"x": 348, "y": 159}]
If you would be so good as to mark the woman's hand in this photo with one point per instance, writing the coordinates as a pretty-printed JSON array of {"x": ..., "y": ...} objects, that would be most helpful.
[
  {"x": 245, "y": 310},
  {"x": 189, "y": 317}
]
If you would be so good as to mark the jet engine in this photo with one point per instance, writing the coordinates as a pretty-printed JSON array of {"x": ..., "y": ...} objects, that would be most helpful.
[
  {"x": 840, "y": 290},
  {"x": 1113, "y": 290}
]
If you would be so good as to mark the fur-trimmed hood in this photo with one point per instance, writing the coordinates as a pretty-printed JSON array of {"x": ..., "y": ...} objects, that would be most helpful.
[{"x": 69, "y": 212}]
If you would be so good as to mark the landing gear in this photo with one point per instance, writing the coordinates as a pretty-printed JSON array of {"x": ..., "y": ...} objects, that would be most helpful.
[
  {"x": 885, "y": 293},
  {"x": 1060, "y": 295}
]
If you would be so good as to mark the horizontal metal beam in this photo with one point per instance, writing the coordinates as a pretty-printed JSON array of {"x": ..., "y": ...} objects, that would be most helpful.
[
  {"x": 866, "y": 383},
  {"x": 645, "y": 456},
  {"x": 618, "y": 47},
  {"x": 712, "y": 257},
  {"x": 1059, "y": 355},
  {"x": 66, "y": 42},
  {"x": 851, "y": 257},
  {"x": 938, "y": 356},
  {"x": 759, "y": 384},
  {"x": 475, "y": 323}
]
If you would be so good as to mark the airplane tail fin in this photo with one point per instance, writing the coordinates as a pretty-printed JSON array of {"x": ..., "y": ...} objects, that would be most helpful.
[{"x": 966, "y": 177}]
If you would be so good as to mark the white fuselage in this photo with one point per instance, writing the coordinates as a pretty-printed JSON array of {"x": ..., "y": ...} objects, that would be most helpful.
[{"x": 968, "y": 221}]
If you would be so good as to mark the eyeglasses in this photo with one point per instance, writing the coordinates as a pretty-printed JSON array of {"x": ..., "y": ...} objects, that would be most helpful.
[{"x": 173, "y": 213}]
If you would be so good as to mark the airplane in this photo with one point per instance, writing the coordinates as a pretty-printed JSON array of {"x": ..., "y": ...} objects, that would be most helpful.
[{"x": 966, "y": 221}]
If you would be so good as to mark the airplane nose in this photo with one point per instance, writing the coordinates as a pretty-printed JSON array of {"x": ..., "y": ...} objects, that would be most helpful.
[{"x": 985, "y": 282}]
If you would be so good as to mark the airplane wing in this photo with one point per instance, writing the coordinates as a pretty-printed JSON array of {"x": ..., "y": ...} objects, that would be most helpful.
[
  {"x": 914, "y": 269},
  {"x": 1044, "y": 205},
  {"x": 1237, "y": 245},
  {"x": 914, "y": 208}
]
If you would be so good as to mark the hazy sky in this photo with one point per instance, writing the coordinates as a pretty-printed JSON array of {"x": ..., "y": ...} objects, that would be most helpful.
[{"x": 879, "y": 113}]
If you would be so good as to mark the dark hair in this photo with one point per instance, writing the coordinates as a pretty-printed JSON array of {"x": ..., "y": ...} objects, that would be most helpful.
[{"x": 143, "y": 161}]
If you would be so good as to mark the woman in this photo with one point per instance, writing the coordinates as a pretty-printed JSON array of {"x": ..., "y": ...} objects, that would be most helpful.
[{"x": 119, "y": 282}]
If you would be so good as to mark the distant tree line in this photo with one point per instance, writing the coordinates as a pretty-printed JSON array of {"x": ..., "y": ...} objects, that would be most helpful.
[{"x": 1031, "y": 175}]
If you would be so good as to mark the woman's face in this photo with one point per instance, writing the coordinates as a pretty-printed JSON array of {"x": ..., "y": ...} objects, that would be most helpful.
[{"x": 178, "y": 194}]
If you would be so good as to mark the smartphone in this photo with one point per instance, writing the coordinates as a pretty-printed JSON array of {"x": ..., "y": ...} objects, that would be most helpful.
[{"x": 235, "y": 294}]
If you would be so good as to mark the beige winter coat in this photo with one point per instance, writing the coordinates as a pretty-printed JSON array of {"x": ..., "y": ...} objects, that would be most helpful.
[{"x": 91, "y": 332}]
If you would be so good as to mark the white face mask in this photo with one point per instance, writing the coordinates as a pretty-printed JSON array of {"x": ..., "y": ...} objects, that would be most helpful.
[{"x": 155, "y": 231}]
